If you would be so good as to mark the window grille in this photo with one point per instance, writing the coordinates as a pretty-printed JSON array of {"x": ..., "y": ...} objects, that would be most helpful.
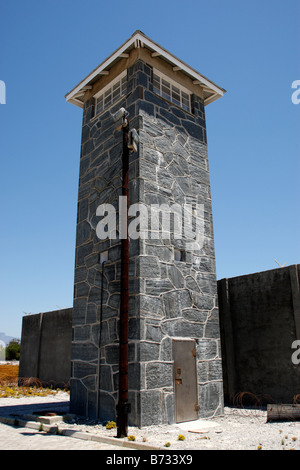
[
  {"x": 110, "y": 94},
  {"x": 174, "y": 93}
]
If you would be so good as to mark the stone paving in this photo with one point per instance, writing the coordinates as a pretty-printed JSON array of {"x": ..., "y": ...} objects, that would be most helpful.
[
  {"x": 23, "y": 438},
  {"x": 27, "y": 436}
]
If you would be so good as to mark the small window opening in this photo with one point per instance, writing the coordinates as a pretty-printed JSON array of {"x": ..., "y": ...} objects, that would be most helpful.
[
  {"x": 103, "y": 257},
  {"x": 179, "y": 255}
]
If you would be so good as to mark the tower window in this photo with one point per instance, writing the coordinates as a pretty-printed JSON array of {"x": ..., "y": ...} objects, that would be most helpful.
[
  {"x": 171, "y": 91},
  {"x": 110, "y": 94}
]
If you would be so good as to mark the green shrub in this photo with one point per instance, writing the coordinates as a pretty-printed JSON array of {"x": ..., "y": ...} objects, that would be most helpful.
[{"x": 13, "y": 350}]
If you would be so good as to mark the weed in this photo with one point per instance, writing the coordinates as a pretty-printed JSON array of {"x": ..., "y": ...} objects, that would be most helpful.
[
  {"x": 111, "y": 425},
  {"x": 181, "y": 437},
  {"x": 131, "y": 438},
  {"x": 167, "y": 444}
]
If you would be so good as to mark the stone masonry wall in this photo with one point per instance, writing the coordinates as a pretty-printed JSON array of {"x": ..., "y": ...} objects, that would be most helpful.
[
  {"x": 168, "y": 298},
  {"x": 177, "y": 298},
  {"x": 95, "y": 344}
]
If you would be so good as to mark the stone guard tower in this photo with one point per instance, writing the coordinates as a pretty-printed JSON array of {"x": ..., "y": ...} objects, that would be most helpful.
[{"x": 174, "y": 361}]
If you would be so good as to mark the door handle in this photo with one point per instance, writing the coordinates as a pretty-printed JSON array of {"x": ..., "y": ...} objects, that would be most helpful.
[{"x": 178, "y": 379}]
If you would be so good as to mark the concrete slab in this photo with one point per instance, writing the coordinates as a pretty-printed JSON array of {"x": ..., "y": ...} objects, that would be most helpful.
[
  {"x": 49, "y": 418},
  {"x": 198, "y": 426}
]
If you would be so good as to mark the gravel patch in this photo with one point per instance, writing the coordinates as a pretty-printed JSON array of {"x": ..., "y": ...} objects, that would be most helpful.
[{"x": 237, "y": 429}]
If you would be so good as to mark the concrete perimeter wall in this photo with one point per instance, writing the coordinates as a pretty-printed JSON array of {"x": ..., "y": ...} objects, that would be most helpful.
[
  {"x": 46, "y": 347},
  {"x": 259, "y": 321}
]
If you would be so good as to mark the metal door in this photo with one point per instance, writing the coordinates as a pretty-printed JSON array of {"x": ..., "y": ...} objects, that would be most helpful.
[{"x": 185, "y": 380}]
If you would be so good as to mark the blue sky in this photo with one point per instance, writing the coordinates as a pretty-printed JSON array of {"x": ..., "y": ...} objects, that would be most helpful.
[{"x": 249, "y": 48}]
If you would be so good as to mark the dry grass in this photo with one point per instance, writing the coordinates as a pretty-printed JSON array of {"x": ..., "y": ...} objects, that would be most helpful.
[
  {"x": 9, "y": 374},
  {"x": 9, "y": 388}
]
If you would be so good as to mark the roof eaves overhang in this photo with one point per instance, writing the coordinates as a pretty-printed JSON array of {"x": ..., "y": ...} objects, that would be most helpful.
[{"x": 139, "y": 39}]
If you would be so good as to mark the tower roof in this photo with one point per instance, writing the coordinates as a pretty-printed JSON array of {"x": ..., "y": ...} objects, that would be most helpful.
[{"x": 211, "y": 91}]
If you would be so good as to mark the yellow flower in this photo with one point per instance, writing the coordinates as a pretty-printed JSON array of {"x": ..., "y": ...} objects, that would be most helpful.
[{"x": 111, "y": 425}]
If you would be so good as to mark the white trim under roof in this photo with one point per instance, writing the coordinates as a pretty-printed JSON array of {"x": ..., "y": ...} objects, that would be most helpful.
[{"x": 138, "y": 39}]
